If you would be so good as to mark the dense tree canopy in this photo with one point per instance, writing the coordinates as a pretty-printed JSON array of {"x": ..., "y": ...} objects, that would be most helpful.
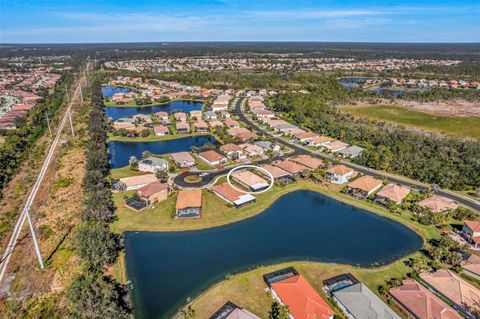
[
  {"x": 449, "y": 162},
  {"x": 94, "y": 296}
]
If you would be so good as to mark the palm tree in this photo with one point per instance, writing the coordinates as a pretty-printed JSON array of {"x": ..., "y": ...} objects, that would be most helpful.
[{"x": 162, "y": 176}]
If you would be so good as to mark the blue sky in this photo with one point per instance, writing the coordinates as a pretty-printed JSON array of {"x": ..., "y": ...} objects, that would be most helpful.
[{"x": 58, "y": 21}]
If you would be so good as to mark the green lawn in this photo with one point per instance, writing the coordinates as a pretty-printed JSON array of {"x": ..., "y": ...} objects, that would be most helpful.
[
  {"x": 456, "y": 126},
  {"x": 125, "y": 171}
]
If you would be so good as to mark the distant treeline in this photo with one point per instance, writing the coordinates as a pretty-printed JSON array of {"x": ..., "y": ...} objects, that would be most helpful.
[
  {"x": 449, "y": 162},
  {"x": 114, "y": 51}
]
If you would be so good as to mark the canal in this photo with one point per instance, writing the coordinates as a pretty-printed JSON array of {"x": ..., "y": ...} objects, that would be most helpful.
[
  {"x": 120, "y": 152},
  {"x": 167, "y": 268}
]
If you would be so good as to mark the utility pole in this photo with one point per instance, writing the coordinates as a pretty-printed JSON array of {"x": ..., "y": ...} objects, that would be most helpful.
[
  {"x": 71, "y": 123},
  {"x": 81, "y": 94},
  {"x": 48, "y": 122},
  {"x": 68, "y": 97},
  {"x": 35, "y": 242}
]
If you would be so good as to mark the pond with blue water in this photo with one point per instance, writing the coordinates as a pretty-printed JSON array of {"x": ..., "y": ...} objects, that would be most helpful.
[
  {"x": 120, "y": 151},
  {"x": 167, "y": 268}
]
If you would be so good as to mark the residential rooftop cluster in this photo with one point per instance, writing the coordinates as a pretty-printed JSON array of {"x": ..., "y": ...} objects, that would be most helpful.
[
  {"x": 366, "y": 83},
  {"x": 437, "y": 294},
  {"x": 282, "y": 63},
  {"x": 21, "y": 90},
  {"x": 155, "y": 90}
]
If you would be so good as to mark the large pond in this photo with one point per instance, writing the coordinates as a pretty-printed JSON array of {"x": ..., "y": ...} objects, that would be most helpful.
[
  {"x": 120, "y": 152},
  {"x": 109, "y": 91},
  {"x": 166, "y": 268}
]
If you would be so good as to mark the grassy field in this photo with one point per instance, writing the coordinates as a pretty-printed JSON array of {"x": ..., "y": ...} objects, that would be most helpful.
[
  {"x": 125, "y": 171},
  {"x": 455, "y": 126},
  {"x": 248, "y": 289}
]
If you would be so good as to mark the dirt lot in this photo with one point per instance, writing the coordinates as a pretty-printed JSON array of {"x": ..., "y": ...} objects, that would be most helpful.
[{"x": 448, "y": 108}]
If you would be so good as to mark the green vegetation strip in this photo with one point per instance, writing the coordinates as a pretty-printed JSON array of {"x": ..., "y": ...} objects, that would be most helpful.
[{"x": 456, "y": 126}]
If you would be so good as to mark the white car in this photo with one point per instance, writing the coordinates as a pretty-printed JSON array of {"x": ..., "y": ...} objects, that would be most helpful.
[{"x": 202, "y": 174}]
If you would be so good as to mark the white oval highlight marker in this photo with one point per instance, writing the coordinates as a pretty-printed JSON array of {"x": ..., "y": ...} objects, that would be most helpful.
[{"x": 255, "y": 167}]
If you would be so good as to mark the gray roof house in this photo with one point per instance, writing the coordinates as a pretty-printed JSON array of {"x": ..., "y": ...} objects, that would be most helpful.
[
  {"x": 210, "y": 115},
  {"x": 351, "y": 151},
  {"x": 283, "y": 126},
  {"x": 267, "y": 145},
  {"x": 359, "y": 302},
  {"x": 151, "y": 164}
]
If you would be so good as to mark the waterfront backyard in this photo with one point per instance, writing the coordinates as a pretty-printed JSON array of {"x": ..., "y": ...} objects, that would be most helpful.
[{"x": 303, "y": 225}]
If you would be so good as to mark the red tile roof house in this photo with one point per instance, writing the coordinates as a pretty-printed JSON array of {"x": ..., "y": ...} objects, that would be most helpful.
[
  {"x": 163, "y": 116},
  {"x": 471, "y": 232},
  {"x": 215, "y": 124},
  {"x": 450, "y": 286},
  {"x": 233, "y": 151},
  {"x": 182, "y": 127},
  {"x": 438, "y": 204},
  {"x": 339, "y": 174},
  {"x": 471, "y": 266},
  {"x": 250, "y": 180},
  {"x": 305, "y": 137},
  {"x": 364, "y": 186},
  {"x": 320, "y": 141},
  {"x": 154, "y": 192},
  {"x": 335, "y": 146},
  {"x": 251, "y": 150},
  {"x": 200, "y": 127},
  {"x": 189, "y": 203},
  {"x": 136, "y": 182},
  {"x": 161, "y": 130},
  {"x": 301, "y": 298},
  {"x": 308, "y": 161},
  {"x": 279, "y": 175},
  {"x": 231, "y": 123},
  {"x": 391, "y": 193},
  {"x": 232, "y": 196},
  {"x": 180, "y": 116},
  {"x": 293, "y": 168},
  {"x": 183, "y": 159},
  {"x": 421, "y": 303},
  {"x": 195, "y": 114},
  {"x": 212, "y": 158},
  {"x": 241, "y": 133}
]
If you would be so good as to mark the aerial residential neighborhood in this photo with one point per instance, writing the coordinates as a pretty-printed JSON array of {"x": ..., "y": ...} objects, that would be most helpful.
[{"x": 239, "y": 160}]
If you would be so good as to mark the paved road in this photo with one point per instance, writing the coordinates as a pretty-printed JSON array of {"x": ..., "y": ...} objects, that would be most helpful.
[
  {"x": 24, "y": 215},
  {"x": 471, "y": 203}
]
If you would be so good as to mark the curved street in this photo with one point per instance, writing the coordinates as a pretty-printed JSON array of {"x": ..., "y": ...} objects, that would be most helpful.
[
  {"x": 301, "y": 150},
  {"x": 468, "y": 202}
]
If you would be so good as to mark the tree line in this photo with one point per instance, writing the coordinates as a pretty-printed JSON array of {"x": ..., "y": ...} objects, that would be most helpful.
[
  {"x": 449, "y": 162},
  {"x": 92, "y": 294}
]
